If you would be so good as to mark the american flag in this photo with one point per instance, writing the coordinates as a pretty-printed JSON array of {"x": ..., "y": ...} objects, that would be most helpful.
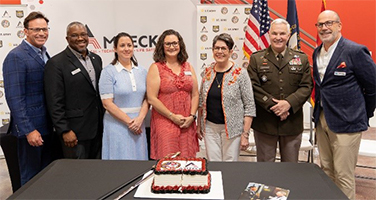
[{"x": 256, "y": 31}]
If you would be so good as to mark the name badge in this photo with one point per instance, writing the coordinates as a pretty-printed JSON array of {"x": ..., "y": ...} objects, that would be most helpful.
[
  {"x": 188, "y": 73},
  {"x": 74, "y": 72},
  {"x": 264, "y": 67},
  {"x": 339, "y": 73}
]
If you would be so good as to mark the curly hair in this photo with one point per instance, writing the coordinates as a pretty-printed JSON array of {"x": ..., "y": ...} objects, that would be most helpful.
[{"x": 159, "y": 54}]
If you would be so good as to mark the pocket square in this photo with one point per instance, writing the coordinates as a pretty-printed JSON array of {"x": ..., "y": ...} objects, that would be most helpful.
[{"x": 342, "y": 65}]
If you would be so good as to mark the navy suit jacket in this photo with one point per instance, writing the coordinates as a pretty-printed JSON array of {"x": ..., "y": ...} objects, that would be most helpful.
[
  {"x": 23, "y": 71},
  {"x": 72, "y": 100},
  {"x": 348, "y": 90}
]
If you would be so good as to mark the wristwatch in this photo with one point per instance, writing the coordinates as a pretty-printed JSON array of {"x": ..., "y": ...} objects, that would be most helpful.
[{"x": 194, "y": 116}]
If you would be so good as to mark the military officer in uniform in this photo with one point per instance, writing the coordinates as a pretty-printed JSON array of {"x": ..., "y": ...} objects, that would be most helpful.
[{"x": 282, "y": 83}]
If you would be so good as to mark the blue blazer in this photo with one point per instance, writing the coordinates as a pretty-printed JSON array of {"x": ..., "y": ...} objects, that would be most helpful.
[
  {"x": 23, "y": 71},
  {"x": 348, "y": 90}
]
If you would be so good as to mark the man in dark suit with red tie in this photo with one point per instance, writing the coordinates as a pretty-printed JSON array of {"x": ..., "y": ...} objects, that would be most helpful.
[
  {"x": 23, "y": 70},
  {"x": 345, "y": 95},
  {"x": 71, "y": 86}
]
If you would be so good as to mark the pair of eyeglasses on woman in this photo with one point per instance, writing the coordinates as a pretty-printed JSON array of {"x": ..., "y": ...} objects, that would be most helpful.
[
  {"x": 169, "y": 44},
  {"x": 327, "y": 24},
  {"x": 223, "y": 49}
]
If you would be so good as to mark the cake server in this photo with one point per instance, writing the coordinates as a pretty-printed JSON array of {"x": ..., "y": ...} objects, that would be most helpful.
[{"x": 143, "y": 179}]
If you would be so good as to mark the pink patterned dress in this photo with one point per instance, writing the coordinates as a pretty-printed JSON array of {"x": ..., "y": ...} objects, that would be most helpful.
[{"x": 175, "y": 93}]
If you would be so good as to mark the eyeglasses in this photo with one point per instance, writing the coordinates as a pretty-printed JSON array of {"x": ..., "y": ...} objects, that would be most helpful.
[
  {"x": 223, "y": 49},
  {"x": 75, "y": 36},
  {"x": 37, "y": 30},
  {"x": 328, "y": 24},
  {"x": 174, "y": 44}
]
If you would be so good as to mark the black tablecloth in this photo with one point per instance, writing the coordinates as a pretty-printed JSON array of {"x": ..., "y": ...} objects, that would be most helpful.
[{"x": 90, "y": 179}]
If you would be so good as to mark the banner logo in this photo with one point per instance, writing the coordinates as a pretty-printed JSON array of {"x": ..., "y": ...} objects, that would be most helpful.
[
  {"x": 224, "y": 10},
  {"x": 203, "y": 56},
  {"x": 19, "y": 13},
  {"x": 203, "y": 19},
  {"x": 19, "y": 25},
  {"x": 245, "y": 65},
  {"x": 234, "y": 56},
  {"x": 204, "y": 38},
  {"x": 5, "y": 23},
  {"x": 235, "y": 19},
  {"x": 203, "y": 30},
  {"x": 6, "y": 14},
  {"x": 247, "y": 11},
  {"x": 246, "y": 21},
  {"x": 215, "y": 28},
  {"x": 142, "y": 43},
  {"x": 21, "y": 34},
  {"x": 92, "y": 40}
]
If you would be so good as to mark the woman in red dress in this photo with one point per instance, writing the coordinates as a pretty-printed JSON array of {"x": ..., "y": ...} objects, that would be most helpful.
[{"x": 173, "y": 93}]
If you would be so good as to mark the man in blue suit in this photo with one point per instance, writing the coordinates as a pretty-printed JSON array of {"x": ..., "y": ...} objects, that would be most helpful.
[
  {"x": 345, "y": 95},
  {"x": 23, "y": 71}
]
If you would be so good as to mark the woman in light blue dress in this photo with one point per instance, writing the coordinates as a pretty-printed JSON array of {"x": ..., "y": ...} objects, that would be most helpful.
[{"x": 122, "y": 87}]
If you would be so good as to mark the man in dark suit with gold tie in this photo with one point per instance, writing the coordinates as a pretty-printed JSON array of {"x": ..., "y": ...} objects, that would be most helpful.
[
  {"x": 282, "y": 83},
  {"x": 345, "y": 95}
]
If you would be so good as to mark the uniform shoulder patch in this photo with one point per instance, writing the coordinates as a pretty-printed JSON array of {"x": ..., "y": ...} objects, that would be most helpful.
[
  {"x": 259, "y": 51},
  {"x": 297, "y": 51}
]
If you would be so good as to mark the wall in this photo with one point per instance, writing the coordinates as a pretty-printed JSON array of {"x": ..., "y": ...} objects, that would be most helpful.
[
  {"x": 358, "y": 21},
  {"x": 148, "y": 18},
  {"x": 145, "y": 20},
  {"x": 358, "y": 18}
]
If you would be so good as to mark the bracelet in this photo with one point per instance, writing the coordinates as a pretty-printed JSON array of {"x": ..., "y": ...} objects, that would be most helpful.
[
  {"x": 194, "y": 116},
  {"x": 245, "y": 135}
]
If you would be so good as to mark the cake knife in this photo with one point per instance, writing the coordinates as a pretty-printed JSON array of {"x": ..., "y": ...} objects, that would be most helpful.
[{"x": 143, "y": 179}]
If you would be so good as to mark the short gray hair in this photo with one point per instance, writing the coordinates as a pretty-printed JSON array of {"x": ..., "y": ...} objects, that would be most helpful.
[
  {"x": 281, "y": 21},
  {"x": 75, "y": 23}
]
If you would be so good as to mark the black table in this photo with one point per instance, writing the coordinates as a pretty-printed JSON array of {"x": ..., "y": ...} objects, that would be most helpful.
[
  {"x": 90, "y": 179},
  {"x": 8, "y": 143}
]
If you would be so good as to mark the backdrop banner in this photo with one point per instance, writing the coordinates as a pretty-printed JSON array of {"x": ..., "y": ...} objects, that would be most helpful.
[
  {"x": 144, "y": 20},
  {"x": 213, "y": 20},
  {"x": 11, "y": 34}
]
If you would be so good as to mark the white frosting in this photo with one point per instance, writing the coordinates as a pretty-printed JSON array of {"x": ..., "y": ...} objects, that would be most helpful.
[
  {"x": 179, "y": 165},
  {"x": 180, "y": 179}
]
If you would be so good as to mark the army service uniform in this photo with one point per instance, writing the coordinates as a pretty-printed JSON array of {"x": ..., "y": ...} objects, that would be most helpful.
[{"x": 291, "y": 81}]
